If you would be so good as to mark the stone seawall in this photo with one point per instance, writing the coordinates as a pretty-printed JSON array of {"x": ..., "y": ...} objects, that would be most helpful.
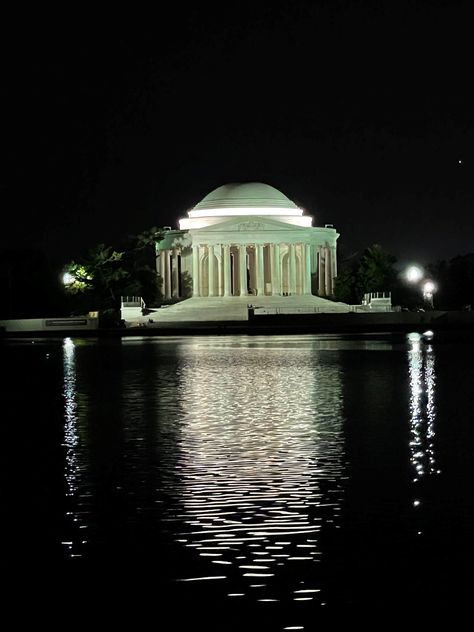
[{"x": 291, "y": 323}]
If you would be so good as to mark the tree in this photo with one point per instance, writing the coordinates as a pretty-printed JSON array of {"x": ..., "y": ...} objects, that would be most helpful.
[
  {"x": 455, "y": 281},
  {"x": 344, "y": 290},
  {"x": 371, "y": 271},
  {"x": 99, "y": 273},
  {"x": 104, "y": 274},
  {"x": 375, "y": 271},
  {"x": 139, "y": 261}
]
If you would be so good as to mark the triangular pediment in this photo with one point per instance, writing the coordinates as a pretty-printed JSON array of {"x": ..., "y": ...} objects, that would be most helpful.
[{"x": 249, "y": 224}]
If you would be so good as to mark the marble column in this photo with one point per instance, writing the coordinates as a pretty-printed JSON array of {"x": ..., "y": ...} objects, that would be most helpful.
[
  {"x": 234, "y": 271},
  {"x": 333, "y": 267},
  {"x": 220, "y": 272},
  {"x": 175, "y": 273},
  {"x": 307, "y": 269},
  {"x": 243, "y": 270},
  {"x": 321, "y": 265},
  {"x": 271, "y": 260},
  {"x": 163, "y": 272},
  {"x": 327, "y": 272},
  {"x": 292, "y": 269},
  {"x": 196, "y": 270},
  {"x": 157, "y": 260},
  {"x": 211, "y": 266},
  {"x": 167, "y": 274},
  {"x": 260, "y": 270},
  {"x": 276, "y": 270},
  {"x": 227, "y": 270}
]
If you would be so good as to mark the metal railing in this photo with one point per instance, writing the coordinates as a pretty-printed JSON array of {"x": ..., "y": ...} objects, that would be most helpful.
[{"x": 132, "y": 301}]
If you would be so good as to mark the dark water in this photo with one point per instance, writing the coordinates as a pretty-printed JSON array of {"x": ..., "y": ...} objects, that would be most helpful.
[{"x": 240, "y": 482}]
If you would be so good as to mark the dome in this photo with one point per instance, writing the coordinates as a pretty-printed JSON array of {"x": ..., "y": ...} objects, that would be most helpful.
[
  {"x": 248, "y": 195},
  {"x": 244, "y": 199}
]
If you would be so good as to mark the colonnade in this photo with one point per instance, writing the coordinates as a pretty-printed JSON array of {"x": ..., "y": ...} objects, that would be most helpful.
[
  {"x": 272, "y": 269},
  {"x": 169, "y": 268}
]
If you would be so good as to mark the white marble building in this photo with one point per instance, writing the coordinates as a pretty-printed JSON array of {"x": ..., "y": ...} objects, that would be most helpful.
[{"x": 247, "y": 240}]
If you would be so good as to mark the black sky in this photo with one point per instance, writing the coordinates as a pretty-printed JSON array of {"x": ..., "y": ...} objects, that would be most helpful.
[{"x": 359, "y": 112}]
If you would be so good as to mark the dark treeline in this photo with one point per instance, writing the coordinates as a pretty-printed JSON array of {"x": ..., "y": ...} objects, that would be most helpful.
[
  {"x": 375, "y": 270},
  {"x": 33, "y": 283},
  {"x": 455, "y": 280}
]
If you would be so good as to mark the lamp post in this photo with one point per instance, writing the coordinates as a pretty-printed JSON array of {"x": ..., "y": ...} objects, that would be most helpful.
[
  {"x": 416, "y": 275},
  {"x": 428, "y": 290}
]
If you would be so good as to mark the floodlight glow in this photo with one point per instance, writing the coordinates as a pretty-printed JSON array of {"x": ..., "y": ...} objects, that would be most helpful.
[
  {"x": 429, "y": 287},
  {"x": 414, "y": 274},
  {"x": 189, "y": 223},
  {"x": 68, "y": 279},
  {"x": 249, "y": 210}
]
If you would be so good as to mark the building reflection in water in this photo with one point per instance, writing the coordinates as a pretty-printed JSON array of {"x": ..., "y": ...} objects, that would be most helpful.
[
  {"x": 261, "y": 461},
  {"x": 421, "y": 362}
]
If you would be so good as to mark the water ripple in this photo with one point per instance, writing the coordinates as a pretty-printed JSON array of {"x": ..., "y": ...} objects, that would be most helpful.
[{"x": 260, "y": 461}]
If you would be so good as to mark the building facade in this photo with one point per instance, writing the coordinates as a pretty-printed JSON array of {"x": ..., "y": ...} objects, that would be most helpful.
[{"x": 247, "y": 240}]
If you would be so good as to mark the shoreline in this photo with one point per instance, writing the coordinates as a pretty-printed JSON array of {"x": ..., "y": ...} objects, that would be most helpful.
[{"x": 288, "y": 324}]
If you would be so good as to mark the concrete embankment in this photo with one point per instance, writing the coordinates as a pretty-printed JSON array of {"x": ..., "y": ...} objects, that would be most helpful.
[{"x": 290, "y": 323}]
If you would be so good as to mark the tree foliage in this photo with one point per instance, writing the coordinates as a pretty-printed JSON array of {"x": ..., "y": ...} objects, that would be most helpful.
[
  {"x": 376, "y": 271},
  {"x": 371, "y": 271},
  {"x": 455, "y": 282},
  {"x": 106, "y": 273}
]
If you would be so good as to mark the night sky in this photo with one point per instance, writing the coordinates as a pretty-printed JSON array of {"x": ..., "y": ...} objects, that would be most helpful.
[{"x": 359, "y": 112}]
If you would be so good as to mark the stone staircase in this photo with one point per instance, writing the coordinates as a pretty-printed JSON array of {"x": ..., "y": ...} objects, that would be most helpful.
[{"x": 235, "y": 308}]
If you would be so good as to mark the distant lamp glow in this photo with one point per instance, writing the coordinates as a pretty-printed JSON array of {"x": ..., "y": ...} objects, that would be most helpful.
[
  {"x": 429, "y": 288},
  {"x": 68, "y": 279},
  {"x": 414, "y": 274}
]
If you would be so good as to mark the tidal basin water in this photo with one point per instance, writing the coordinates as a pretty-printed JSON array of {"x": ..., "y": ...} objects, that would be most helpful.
[{"x": 244, "y": 481}]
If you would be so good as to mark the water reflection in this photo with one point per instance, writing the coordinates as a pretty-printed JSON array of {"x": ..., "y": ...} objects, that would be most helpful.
[
  {"x": 73, "y": 542},
  {"x": 260, "y": 462},
  {"x": 421, "y": 362}
]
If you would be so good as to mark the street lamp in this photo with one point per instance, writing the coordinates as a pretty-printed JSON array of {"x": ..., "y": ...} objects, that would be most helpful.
[
  {"x": 414, "y": 274},
  {"x": 428, "y": 290},
  {"x": 68, "y": 279}
]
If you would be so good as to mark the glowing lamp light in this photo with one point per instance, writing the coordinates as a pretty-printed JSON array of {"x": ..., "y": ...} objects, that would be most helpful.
[
  {"x": 414, "y": 274},
  {"x": 429, "y": 287},
  {"x": 68, "y": 279}
]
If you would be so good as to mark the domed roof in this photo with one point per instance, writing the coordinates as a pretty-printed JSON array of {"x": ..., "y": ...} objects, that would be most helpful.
[{"x": 245, "y": 195}]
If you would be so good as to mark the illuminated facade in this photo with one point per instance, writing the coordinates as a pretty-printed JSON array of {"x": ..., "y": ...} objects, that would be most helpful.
[{"x": 246, "y": 240}]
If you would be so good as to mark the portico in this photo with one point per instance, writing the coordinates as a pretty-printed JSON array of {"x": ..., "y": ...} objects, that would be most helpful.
[
  {"x": 259, "y": 269},
  {"x": 247, "y": 240}
]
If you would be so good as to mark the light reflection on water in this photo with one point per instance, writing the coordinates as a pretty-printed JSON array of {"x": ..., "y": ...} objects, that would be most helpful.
[
  {"x": 422, "y": 374},
  {"x": 71, "y": 443},
  {"x": 259, "y": 431},
  {"x": 421, "y": 359},
  {"x": 234, "y": 446},
  {"x": 76, "y": 465}
]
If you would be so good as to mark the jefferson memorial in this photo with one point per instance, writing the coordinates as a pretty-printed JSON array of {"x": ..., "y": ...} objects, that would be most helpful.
[{"x": 243, "y": 245}]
